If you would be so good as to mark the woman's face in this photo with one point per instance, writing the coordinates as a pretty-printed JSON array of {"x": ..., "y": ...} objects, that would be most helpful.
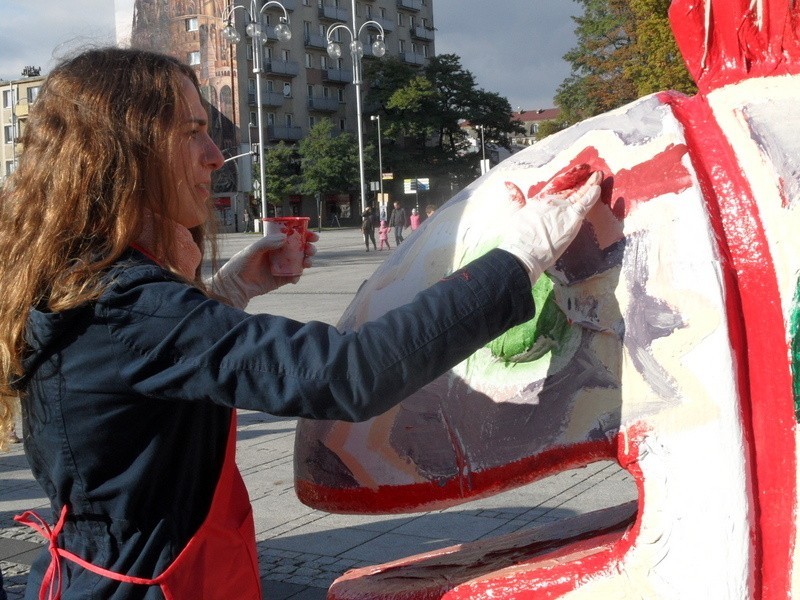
[{"x": 198, "y": 156}]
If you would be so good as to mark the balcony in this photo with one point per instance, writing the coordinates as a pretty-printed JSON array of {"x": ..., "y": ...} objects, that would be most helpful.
[
  {"x": 282, "y": 67},
  {"x": 413, "y": 58},
  {"x": 332, "y": 13},
  {"x": 315, "y": 40},
  {"x": 387, "y": 24},
  {"x": 338, "y": 75},
  {"x": 422, "y": 33},
  {"x": 289, "y": 4},
  {"x": 323, "y": 104},
  {"x": 286, "y": 134},
  {"x": 273, "y": 99},
  {"x": 415, "y": 5}
]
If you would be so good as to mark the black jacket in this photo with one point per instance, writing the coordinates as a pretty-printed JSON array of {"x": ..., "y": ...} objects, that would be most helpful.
[{"x": 127, "y": 399}]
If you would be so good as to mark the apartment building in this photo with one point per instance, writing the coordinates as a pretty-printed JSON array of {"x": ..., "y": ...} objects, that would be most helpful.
[
  {"x": 17, "y": 97},
  {"x": 301, "y": 84}
]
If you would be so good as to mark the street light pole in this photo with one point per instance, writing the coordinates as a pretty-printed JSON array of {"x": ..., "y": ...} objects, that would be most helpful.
[
  {"x": 380, "y": 153},
  {"x": 259, "y": 37},
  {"x": 356, "y": 52}
]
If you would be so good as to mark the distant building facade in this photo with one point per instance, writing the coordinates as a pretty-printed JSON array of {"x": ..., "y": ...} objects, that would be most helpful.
[
  {"x": 301, "y": 84},
  {"x": 17, "y": 98},
  {"x": 531, "y": 120}
]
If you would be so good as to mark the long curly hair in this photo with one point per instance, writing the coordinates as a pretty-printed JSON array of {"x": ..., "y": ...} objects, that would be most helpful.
[{"x": 95, "y": 159}]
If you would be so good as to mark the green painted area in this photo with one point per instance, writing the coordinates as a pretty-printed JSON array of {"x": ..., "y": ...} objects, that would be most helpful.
[
  {"x": 794, "y": 329},
  {"x": 535, "y": 338}
]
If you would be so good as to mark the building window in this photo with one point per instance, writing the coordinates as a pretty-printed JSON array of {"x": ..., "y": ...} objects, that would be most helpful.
[
  {"x": 8, "y": 98},
  {"x": 399, "y": 19},
  {"x": 401, "y": 46},
  {"x": 311, "y": 122},
  {"x": 271, "y": 119},
  {"x": 425, "y": 51},
  {"x": 306, "y": 2},
  {"x": 253, "y": 119},
  {"x": 270, "y": 85},
  {"x": 191, "y": 24},
  {"x": 340, "y": 94},
  {"x": 341, "y": 124},
  {"x": 289, "y": 119},
  {"x": 411, "y": 22},
  {"x": 323, "y": 61},
  {"x": 194, "y": 58},
  {"x": 33, "y": 93},
  {"x": 8, "y": 133},
  {"x": 308, "y": 60},
  {"x": 9, "y": 167},
  {"x": 251, "y": 85},
  {"x": 311, "y": 91},
  {"x": 285, "y": 55}
]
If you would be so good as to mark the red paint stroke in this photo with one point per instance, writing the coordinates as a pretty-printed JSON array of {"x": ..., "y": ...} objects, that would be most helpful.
[
  {"x": 624, "y": 190},
  {"x": 735, "y": 48},
  {"x": 758, "y": 336},
  {"x": 515, "y": 194},
  {"x": 662, "y": 174},
  {"x": 573, "y": 178},
  {"x": 520, "y": 565},
  {"x": 433, "y": 495}
]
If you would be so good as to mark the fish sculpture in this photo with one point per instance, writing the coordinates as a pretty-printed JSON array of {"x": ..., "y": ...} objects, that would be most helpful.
[{"x": 665, "y": 339}]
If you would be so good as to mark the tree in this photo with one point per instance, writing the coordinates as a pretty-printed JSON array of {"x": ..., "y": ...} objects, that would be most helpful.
[
  {"x": 493, "y": 111},
  {"x": 282, "y": 174},
  {"x": 658, "y": 64},
  {"x": 421, "y": 115},
  {"x": 625, "y": 50},
  {"x": 599, "y": 81},
  {"x": 329, "y": 162}
]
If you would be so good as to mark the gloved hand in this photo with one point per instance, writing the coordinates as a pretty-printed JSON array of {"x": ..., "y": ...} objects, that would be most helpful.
[
  {"x": 542, "y": 227},
  {"x": 247, "y": 274}
]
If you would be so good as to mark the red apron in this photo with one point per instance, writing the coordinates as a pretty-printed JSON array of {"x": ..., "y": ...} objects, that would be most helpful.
[{"x": 218, "y": 563}]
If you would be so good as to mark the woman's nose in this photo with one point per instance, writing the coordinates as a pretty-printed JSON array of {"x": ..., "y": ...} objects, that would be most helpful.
[{"x": 213, "y": 156}]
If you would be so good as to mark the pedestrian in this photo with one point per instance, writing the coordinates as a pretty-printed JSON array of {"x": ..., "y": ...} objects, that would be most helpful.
[
  {"x": 429, "y": 210},
  {"x": 130, "y": 366},
  {"x": 246, "y": 221},
  {"x": 383, "y": 234},
  {"x": 398, "y": 220},
  {"x": 414, "y": 219},
  {"x": 368, "y": 228}
]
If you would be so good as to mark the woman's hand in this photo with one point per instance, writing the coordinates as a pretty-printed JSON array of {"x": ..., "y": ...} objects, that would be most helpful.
[
  {"x": 247, "y": 274},
  {"x": 542, "y": 227}
]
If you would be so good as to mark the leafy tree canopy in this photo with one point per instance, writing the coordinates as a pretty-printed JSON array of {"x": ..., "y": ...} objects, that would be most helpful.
[{"x": 625, "y": 50}]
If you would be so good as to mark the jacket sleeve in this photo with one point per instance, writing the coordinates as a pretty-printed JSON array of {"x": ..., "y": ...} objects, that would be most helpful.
[{"x": 174, "y": 343}]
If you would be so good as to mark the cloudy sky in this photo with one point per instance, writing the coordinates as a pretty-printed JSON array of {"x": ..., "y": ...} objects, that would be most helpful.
[{"x": 513, "y": 47}]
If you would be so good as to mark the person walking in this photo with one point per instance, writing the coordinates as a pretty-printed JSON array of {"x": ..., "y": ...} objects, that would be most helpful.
[
  {"x": 368, "y": 228},
  {"x": 397, "y": 220},
  {"x": 124, "y": 355},
  {"x": 383, "y": 234}
]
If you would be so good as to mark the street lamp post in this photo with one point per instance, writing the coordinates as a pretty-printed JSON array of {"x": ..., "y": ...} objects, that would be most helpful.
[
  {"x": 356, "y": 52},
  {"x": 259, "y": 37},
  {"x": 380, "y": 153}
]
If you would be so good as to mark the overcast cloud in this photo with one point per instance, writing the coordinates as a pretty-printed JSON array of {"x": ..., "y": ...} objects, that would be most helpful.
[{"x": 513, "y": 47}]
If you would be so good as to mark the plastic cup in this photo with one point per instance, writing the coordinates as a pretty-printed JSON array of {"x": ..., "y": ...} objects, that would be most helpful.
[{"x": 288, "y": 261}]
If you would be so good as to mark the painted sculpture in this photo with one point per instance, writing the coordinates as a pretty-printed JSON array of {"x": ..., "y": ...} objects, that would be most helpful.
[{"x": 664, "y": 339}]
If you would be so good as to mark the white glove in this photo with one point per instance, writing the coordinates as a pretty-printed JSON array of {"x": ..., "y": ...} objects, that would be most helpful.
[
  {"x": 247, "y": 274},
  {"x": 543, "y": 226}
]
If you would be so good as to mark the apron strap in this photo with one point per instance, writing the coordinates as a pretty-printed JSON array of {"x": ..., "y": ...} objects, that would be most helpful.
[{"x": 51, "y": 583}]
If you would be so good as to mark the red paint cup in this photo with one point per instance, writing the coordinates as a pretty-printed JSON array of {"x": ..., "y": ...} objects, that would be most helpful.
[{"x": 288, "y": 261}]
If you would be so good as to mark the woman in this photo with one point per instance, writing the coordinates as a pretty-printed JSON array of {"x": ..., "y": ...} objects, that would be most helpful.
[{"x": 129, "y": 365}]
